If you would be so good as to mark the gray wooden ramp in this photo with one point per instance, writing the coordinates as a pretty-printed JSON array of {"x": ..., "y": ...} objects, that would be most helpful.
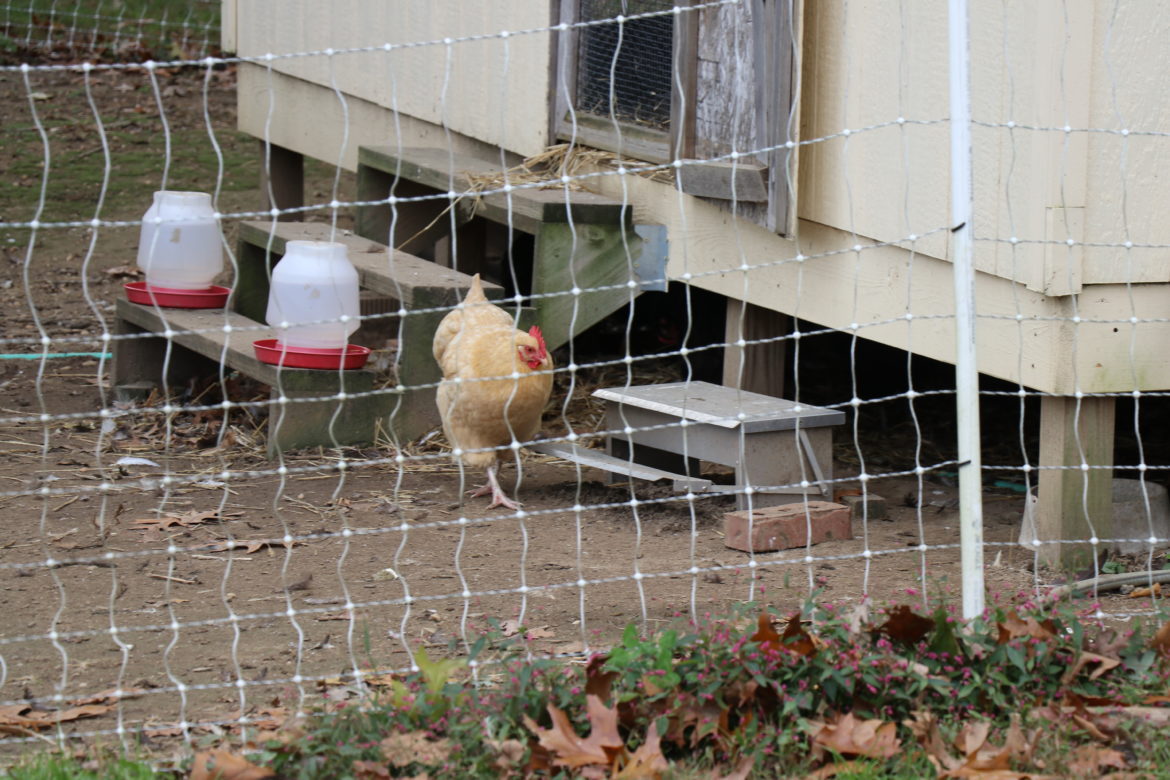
[{"x": 600, "y": 460}]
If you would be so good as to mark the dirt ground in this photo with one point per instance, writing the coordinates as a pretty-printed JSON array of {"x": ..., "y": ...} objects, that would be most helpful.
[
  {"x": 373, "y": 538},
  {"x": 138, "y": 587}
]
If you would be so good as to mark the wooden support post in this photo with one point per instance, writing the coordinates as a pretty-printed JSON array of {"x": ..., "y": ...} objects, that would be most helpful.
[
  {"x": 601, "y": 258},
  {"x": 138, "y": 364},
  {"x": 481, "y": 247},
  {"x": 320, "y": 423},
  {"x": 1063, "y": 511},
  {"x": 282, "y": 179},
  {"x": 253, "y": 274},
  {"x": 763, "y": 364},
  {"x": 416, "y": 413}
]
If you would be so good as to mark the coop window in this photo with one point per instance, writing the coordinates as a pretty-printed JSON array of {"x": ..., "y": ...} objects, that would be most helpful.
[
  {"x": 620, "y": 76},
  {"x": 694, "y": 85}
]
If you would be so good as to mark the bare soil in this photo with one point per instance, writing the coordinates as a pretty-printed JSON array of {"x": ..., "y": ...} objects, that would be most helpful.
[{"x": 96, "y": 599}]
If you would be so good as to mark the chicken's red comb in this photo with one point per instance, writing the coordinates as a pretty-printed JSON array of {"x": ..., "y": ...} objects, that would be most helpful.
[{"x": 535, "y": 333}]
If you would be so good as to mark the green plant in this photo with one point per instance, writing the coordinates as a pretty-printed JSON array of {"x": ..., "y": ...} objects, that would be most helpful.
[
  {"x": 57, "y": 767},
  {"x": 786, "y": 694}
]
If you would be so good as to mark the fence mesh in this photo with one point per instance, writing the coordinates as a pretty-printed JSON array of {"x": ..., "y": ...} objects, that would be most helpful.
[{"x": 168, "y": 574}]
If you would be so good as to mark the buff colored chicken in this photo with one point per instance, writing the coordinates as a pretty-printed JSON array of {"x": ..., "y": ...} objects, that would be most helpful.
[{"x": 493, "y": 390}]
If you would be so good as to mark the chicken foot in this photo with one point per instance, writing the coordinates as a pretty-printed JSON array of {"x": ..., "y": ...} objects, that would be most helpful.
[{"x": 493, "y": 487}]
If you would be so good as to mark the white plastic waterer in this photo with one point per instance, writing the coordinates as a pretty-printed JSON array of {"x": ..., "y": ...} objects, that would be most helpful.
[
  {"x": 180, "y": 246},
  {"x": 314, "y": 283}
]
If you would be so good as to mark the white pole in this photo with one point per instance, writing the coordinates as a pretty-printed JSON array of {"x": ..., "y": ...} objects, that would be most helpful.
[{"x": 966, "y": 371}]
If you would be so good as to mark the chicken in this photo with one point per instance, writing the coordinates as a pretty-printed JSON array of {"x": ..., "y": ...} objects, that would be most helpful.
[{"x": 479, "y": 341}]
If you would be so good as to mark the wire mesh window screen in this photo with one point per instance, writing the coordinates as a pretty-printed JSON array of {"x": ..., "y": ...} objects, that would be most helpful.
[{"x": 624, "y": 70}]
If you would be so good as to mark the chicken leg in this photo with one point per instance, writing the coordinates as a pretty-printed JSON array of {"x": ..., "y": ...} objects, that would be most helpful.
[{"x": 493, "y": 487}]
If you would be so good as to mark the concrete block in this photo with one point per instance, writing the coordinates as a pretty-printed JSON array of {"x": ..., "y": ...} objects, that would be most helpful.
[
  {"x": 870, "y": 506},
  {"x": 785, "y": 527}
]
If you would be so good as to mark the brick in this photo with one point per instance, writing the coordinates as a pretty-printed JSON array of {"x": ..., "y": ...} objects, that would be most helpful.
[
  {"x": 785, "y": 527},
  {"x": 870, "y": 506}
]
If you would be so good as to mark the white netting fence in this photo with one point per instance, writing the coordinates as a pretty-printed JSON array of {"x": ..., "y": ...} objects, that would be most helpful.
[
  {"x": 112, "y": 31},
  {"x": 165, "y": 570}
]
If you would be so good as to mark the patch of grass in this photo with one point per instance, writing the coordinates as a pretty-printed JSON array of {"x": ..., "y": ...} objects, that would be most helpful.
[
  {"x": 138, "y": 160},
  {"x": 54, "y": 767},
  {"x": 127, "y": 30}
]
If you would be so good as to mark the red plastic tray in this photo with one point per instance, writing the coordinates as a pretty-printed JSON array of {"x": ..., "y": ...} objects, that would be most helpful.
[
  {"x": 273, "y": 352},
  {"x": 213, "y": 297}
]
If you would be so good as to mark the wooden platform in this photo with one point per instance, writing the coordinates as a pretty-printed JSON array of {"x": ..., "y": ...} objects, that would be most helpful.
[
  {"x": 582, "y": 239},
  {"x": 200, "y": 343},
  {"x": 419, "y": 289},
  {"x": 772, "y": 443},
  {"x": 526, "y": 209}
]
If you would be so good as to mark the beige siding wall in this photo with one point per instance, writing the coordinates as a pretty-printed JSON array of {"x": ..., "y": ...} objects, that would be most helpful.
[
  {"x": 497, "y": 90},
  {"x": 1038, "y": 64}
]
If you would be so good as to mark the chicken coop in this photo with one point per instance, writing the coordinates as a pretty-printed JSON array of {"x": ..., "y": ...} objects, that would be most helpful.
[{"x": 821, "y": 187}]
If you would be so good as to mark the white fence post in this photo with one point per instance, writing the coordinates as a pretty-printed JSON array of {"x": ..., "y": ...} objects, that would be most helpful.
[{"x": 966, "y": 371}]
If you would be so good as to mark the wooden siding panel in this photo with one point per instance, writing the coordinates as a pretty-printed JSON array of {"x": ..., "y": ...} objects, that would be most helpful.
[{"x": 497, "y": 90}]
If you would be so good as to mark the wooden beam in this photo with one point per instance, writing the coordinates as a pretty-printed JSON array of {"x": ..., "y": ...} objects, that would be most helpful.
[
  {"x": 762, "y": 364},
  {"x": 282, "y": 179},
  {"x": 436, "y": 170},
  {"x": 603, "y": 261},
  {"x": 416, "y": 225},
  {"x": 745, "y": 181},
  {"x": 1074, "y": 504},
  {"x": 776, "y": 96},
  {"x": 417, "y": 283},
  {"x": 684, "y": 87}
]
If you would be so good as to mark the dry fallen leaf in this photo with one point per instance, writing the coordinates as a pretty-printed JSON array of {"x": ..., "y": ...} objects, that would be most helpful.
[
  {"x": 979, "y": 759},
  {"x": 832, "y": 770},
  {"x": 414, "y": 747},
  {"x": 508, "y": 753},
  {"x": 1139, "y": 593},
  {"x": 924, "y": 727},
  {"x": 1088, "y": 760},
  {"x": 1085, "y": 659},
  {"x": 185, "y": 520},
  {"x": 794, "y": 639},
  {"x": 21, "y": 718},
  {"x": 905, "y": 625},
  {"x": 741, "y": 772},
  {"x": 1161, "y": 640},
  {"x": 647, "y": 762},
  {"x": 848, "y": 736},
  {"x": 222, "y": 765},
  {"x": 601, "y": 746},
  {"x": 248, "y": 546},
  {"x": 370, "y": 770},
  {"x": 108, "y": 696},
  {"x": 1015, "y": 627}
]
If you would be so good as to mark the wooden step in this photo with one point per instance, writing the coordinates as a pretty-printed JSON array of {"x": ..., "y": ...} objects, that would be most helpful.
[
  {"x": 422, "y": 288},
  {"x": 415, "y": 283},
  {"x": 200, "y": 344},
  {"x": 597, "y": 252},
  {"x": 770, "y": 442},
  {"x": 525, "y": 209}
]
